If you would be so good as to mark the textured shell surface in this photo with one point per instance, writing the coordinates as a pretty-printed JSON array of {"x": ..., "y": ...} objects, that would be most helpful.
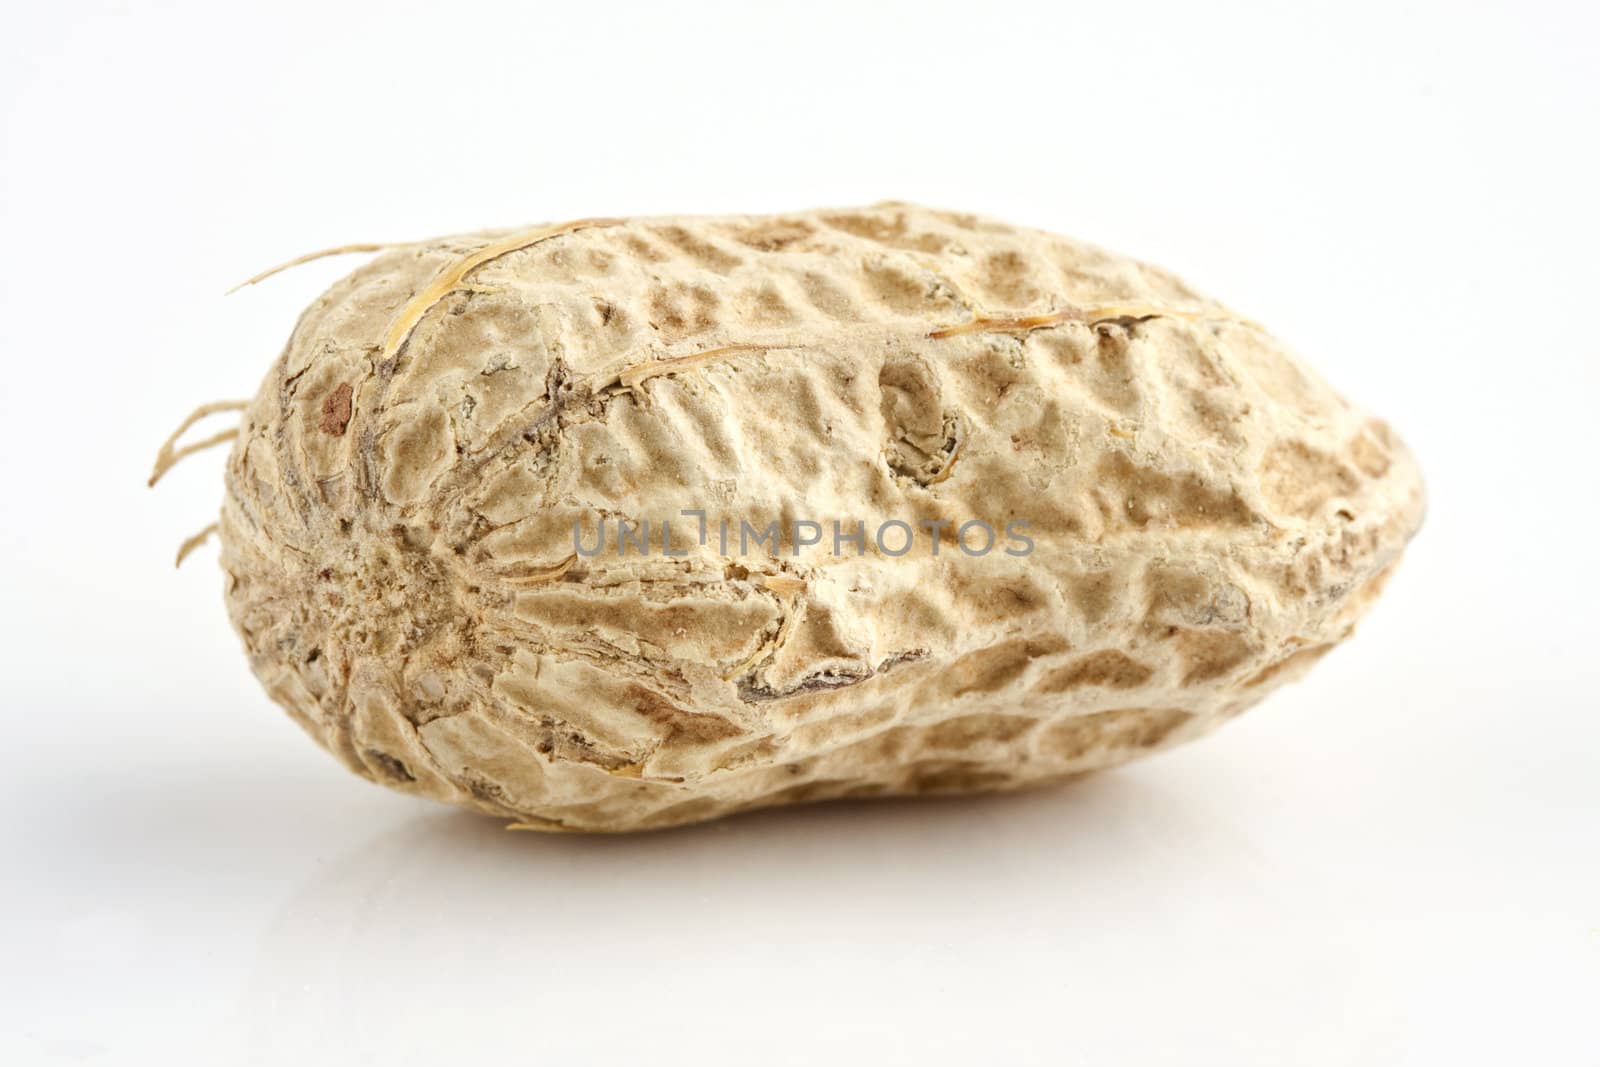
[{"x": 452, "y": 421}]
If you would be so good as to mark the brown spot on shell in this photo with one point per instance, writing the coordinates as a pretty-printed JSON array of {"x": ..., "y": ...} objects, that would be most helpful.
[
  {"x": 336, "y": 409},
  {"x": 680, "y": 724}
]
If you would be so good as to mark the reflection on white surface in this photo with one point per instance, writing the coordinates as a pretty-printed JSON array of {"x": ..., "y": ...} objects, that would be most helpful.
[
  {"x": 789, "y": 922},
  {"x": 262, "y": 915}
]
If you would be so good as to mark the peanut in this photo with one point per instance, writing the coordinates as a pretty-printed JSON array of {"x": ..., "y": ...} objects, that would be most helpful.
[{"x": 414, "y": 494}]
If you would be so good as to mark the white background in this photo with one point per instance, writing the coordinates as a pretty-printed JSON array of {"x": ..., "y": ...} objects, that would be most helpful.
[{"x": 1395, "y": 861}]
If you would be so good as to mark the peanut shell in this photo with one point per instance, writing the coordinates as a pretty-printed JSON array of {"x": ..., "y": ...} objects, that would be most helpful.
[{"x": 1206, "y": 516}]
